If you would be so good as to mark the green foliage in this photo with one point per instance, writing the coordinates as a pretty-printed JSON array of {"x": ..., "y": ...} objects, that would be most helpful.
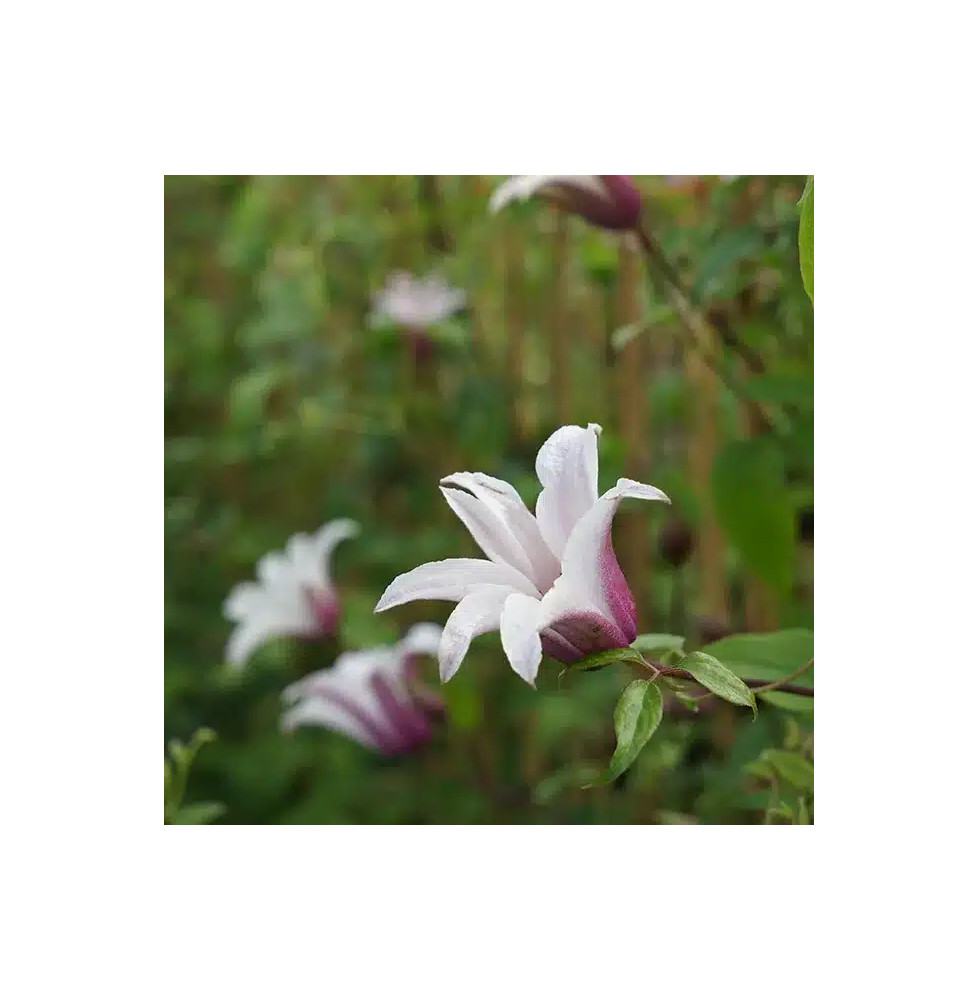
[
  {"x": 175, "y": 772},
  {"x": 285, "y": 408},
  {"x": 793, "y": 768},
  {"x": 806, "y": 237},
  {"x": 767, "y": 656},
  {"x": 755, "y": 508},
  {"x": 657, "y": 646},
  {"x": 606, "y": 657},
  {"x": 637, "y": 716},
  {"x": 715, "y": 677}
]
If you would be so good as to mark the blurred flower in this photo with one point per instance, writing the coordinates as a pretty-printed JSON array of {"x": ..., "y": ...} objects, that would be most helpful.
[
  {"x": 609, "y": 201},
  {"x": 373, "y": 696},
  {"x": 294, "y": 594},
  {"x": 416, "y": 303},
  {"x": 552, "y": 581}
]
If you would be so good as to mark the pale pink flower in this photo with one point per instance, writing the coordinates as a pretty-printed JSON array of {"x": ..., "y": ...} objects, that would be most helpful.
[
  {"x": 373, "y": 695},
  {"x": 551, "y": 582},
  {"x": 294, "y": 594},
  {"x": 416, "y": 303},
  {"x": 608, "y": 200}
]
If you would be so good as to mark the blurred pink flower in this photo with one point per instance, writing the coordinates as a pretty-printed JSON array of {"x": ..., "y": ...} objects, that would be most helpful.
[
  {"x": 294, "y": 595},
  {"x": 416, "y": 303},
  {"x": 551, "y": 582},
  {"x": 610, "y": 201},
  {"x": 372, "y": 696}
]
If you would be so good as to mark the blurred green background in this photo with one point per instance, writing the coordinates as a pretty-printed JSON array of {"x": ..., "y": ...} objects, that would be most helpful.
[{"x": 284, "y": 409}]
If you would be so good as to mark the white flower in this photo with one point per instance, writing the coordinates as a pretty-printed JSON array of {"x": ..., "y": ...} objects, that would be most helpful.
[
  {"x": 370, "y": 696},
  {"x": 294, "y": 594},
  {"x": 416, "y": 302},
  {"x": 608, "y": 200},
  {"x": 552, "y": 581}
]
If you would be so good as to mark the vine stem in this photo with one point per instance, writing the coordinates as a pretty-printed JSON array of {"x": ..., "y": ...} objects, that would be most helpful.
[
  {"x": 699, "y": 327},
  {"x": 758, "y": 687}
]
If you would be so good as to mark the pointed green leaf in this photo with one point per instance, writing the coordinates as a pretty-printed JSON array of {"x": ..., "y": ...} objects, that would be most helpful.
[
  {"x": 715, "y": 677},
  {"x": 597, "y": 660},
  {"x": 804, "y": 817},
  {"x": 573, "y": 776},
  {"x": 658, "y": 644},
  {"x": 681, "y": 694},
  {"x": 796, "y": 703},
  {"x": 637, "y": 716},
  {"x": 198, "y": 813},
  {"x": 806, "y": 238},
  {"x": 756, "y": 509},
  {"x": 767, "y": 656},
  {"x": 793, "y": 768}
]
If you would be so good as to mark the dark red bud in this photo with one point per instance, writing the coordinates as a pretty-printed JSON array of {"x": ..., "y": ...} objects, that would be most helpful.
[{"x": 675, "y": 542}]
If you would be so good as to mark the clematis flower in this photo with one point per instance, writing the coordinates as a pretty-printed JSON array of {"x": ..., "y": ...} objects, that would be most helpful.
[
  {"x": 294, "y": 595},
  {"x": 551, "y": 582},
  {"x": 609, "y": 201},
  {"x": 416, "y": 303},
  {"x": 372, "y": 696}
]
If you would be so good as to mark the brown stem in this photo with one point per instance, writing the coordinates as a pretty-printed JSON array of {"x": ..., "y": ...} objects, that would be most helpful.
[
  {"x": 784, "y": 684},
  {"x": 703, "y": 329},
  {"x": 658, "y": 260}
]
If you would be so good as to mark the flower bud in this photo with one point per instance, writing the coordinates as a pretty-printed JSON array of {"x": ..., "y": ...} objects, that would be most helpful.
[
  {"x": 675, "y": 542},
  {"x": 611, "y": 201}
]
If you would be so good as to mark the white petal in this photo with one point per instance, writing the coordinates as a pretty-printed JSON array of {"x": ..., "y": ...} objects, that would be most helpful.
[
  {"x": 490, "y": 531},
  {"x": 474, "y": 615},
  {"x": 450, "y": 580},
  {"x": 319, "y": 712},
  {"x": 325, "y": 541},
  {"x": 253, "y": 632},
  {"x": 503, "y": 499},
  {"x": 245, "y": 599},
  {"x": 421, "y": 640},
  {"x": 519, "y": 629},
  {"x": 586, "y": 579},
  {"x": 525, "y": 186},
  {"x": 275, "y": 570},
  {"x": 567, "y": 467}
]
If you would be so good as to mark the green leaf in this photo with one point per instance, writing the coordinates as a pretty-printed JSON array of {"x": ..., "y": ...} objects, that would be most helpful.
[
  {"x": 658, "y": 644},
  {"x": 573, "y": 776},
  {"x": 804, "y": 817},
  {"x": 250, "y": 393},
  {"x": 806, "y": 238},
  {"x": 767, "y": 656},
  {"x": 624, "y": 335},
  {"x": 597, "y": 660},
  {"x": 755, "y": 509},
  {"x": 679, "y": 690},
  {"x": 781, "y": 811},
  {"x": 637, "y": 716},
  {"x": 789, "y": 702},
  {"x": 780, "y": 388},
  {"x": 715, "y": 677},
  {"x": 793, "y": 768},
  {"x": 198, "y": 813}
]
